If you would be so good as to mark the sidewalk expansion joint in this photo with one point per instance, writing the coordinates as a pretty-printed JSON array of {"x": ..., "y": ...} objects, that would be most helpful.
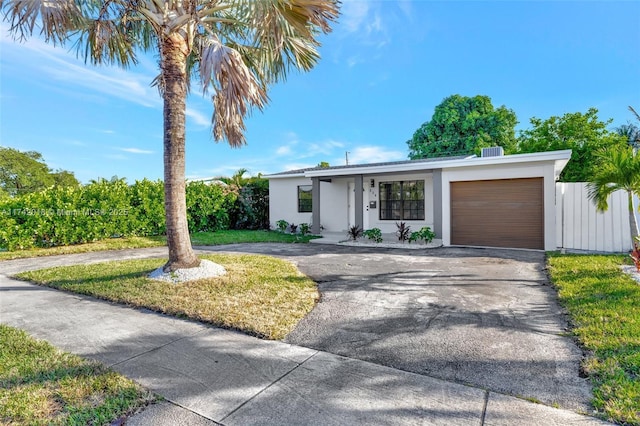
[
  {"x": 267, "y": 387},
  {"x": 484, "y": 407},
  {"x": 155, "y": 348}
]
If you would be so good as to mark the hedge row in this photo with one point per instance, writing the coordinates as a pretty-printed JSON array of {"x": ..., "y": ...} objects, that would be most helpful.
[{"x": 104, "y": 209}]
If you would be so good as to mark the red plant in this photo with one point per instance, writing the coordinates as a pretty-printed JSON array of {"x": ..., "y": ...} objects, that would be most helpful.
[{"x": 635, "y": 255}]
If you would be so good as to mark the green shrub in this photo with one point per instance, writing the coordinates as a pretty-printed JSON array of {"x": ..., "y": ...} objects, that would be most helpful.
[
  {"x": 425, "y": 233},
  {"x": 208, "y": 206},
  {"x": 147, "y": 206},
  {"x": 305, "y": 228},
  {"x": 374, "y": 234},
  {"x": 103, "y": 209},
  {"x": 251, "y": 209},
  {"x": 282, "y": 225}
]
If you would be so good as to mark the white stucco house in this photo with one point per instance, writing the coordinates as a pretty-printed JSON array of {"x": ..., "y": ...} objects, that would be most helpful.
[{"x": 492, "y": 201}]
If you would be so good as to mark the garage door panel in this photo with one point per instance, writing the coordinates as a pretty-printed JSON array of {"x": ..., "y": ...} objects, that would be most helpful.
[{"x": 498, "y": 213}]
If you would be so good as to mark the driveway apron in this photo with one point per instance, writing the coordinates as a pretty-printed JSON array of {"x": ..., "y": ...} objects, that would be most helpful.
[{"x": 484, "y": 317}]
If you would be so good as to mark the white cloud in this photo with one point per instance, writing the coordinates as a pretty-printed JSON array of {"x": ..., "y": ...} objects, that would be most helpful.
[
  {"x": 301, "y": 149},
  {"x": 136, "y": 151},
  {"x": 371, "y": 154},
  {"x": 353, "y": 14},
  {"x": 284, "y": 150},
  {"x": 58, "y": 64},
  {"x": 198, "y": 118}
]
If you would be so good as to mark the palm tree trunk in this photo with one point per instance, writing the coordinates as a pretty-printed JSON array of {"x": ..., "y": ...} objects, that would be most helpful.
[
  {"x": 174, "y": 50},
  {"x": 633, "y": 223}
]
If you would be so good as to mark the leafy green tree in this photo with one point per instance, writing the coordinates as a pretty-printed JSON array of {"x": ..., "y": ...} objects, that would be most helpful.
[
  {"x": 323, "y": 165},
  {"x": 618, "y": 169},
  {"x": 22, "y": 172},
  {"x": 236, "y": 47},
  {"x": 584, "y": 134},
  {"x": 64, "y": 179},
  {"x": 462, "y": 125}
]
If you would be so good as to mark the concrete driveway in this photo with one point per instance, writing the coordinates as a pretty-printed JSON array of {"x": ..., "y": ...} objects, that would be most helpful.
[
  {"x": 482, "y": 317},
  {"x": 486, "y": 318}
]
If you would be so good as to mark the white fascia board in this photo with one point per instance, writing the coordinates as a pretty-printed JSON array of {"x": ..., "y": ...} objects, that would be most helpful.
[
  {"x": 561, "y": 158},
  {"x": 291, "y": 175}
]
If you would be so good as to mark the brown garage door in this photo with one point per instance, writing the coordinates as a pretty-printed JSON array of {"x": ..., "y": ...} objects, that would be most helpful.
[{"x": 498, "y": 213}]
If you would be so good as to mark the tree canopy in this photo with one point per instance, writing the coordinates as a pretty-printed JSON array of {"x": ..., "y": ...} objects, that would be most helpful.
[
  {"x": 22, "y": 172},
  {"x": 463, "y": 125},
  {"x": 585, "y": 134}
]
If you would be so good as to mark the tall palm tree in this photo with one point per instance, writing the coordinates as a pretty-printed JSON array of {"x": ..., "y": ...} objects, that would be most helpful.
[
  {"x": 236, "y": 47},
  {"x": 619, "y": 169},
  {"x": 631, "y": 133}
]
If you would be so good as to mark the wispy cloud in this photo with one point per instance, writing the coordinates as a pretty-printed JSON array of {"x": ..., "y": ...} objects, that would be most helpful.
[
  {"x": 135, "y": 150},
  {"x": 354, "y": 14},
  {"x": 371, "y": 154},
  {"x": 284, "y": 150},
  {"x": 198, "y": 118},
  {"x": 296, "y": 148}
]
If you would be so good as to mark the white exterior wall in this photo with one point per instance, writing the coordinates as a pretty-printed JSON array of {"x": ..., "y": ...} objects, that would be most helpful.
[
  {"x": 372, "y": 216},
  {"x": 581, "y": 227},
  {"x": 530, "y": 170},
  {"x": 283, "y": 201}
]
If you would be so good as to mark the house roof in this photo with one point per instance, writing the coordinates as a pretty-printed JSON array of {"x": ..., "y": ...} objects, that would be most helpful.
[
  {"x": 559, "y": 157},
  {"x": 425, "y": 161}
]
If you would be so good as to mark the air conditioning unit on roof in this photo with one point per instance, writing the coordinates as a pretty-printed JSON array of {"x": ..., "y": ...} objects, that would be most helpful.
[{"x": 494, "y": 151}]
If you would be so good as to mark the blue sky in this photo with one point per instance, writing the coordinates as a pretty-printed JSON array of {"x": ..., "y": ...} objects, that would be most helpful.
[{"x": 384, "y": 68}]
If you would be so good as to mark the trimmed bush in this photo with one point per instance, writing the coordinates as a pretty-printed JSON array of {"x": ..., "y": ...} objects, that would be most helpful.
[{"x": 104, "y": 209}]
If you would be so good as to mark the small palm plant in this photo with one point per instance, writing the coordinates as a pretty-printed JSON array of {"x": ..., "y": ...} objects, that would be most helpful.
[
  {"x": 619, "y": 169},
  {"x": 354, "y": 232}
]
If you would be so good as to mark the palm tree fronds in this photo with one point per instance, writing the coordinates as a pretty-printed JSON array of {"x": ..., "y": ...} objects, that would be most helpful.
[
  {"x": 236, "y": 89},
  {"x": 286, "y": 33},
  {"x": 55, "y": 18},
  {"x": 619, "y": 169},
  {"x": 633, "y": 111}
]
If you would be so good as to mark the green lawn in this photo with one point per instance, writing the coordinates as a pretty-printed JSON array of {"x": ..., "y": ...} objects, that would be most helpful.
[
  {"x": 40, "y": 385},
  {"x": 604, "y": 304},
  {"x": 259, "y": 295},
  {"x": 197, "y": 239}
]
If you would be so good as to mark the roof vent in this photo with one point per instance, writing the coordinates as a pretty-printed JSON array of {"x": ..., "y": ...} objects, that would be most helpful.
[{"x": 494, "y": 151}]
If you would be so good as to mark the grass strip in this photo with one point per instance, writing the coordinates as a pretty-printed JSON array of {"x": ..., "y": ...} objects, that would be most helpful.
[
  {"x": 604, "y": 304},
  {"x": 259, "y": 295},
  {"x": 41, "y": 385}
]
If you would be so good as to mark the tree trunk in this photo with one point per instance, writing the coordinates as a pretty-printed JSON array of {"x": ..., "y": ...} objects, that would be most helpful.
[
  {"x": 633, "y": 223},
  {"x": 174, "y": 51}
]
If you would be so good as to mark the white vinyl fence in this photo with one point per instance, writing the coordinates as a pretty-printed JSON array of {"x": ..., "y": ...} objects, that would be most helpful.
[{"x": 581, "y": 227}]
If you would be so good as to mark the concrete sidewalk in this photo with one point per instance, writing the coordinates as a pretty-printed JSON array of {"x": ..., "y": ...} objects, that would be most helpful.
[{"x": 211, "y": 375}]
